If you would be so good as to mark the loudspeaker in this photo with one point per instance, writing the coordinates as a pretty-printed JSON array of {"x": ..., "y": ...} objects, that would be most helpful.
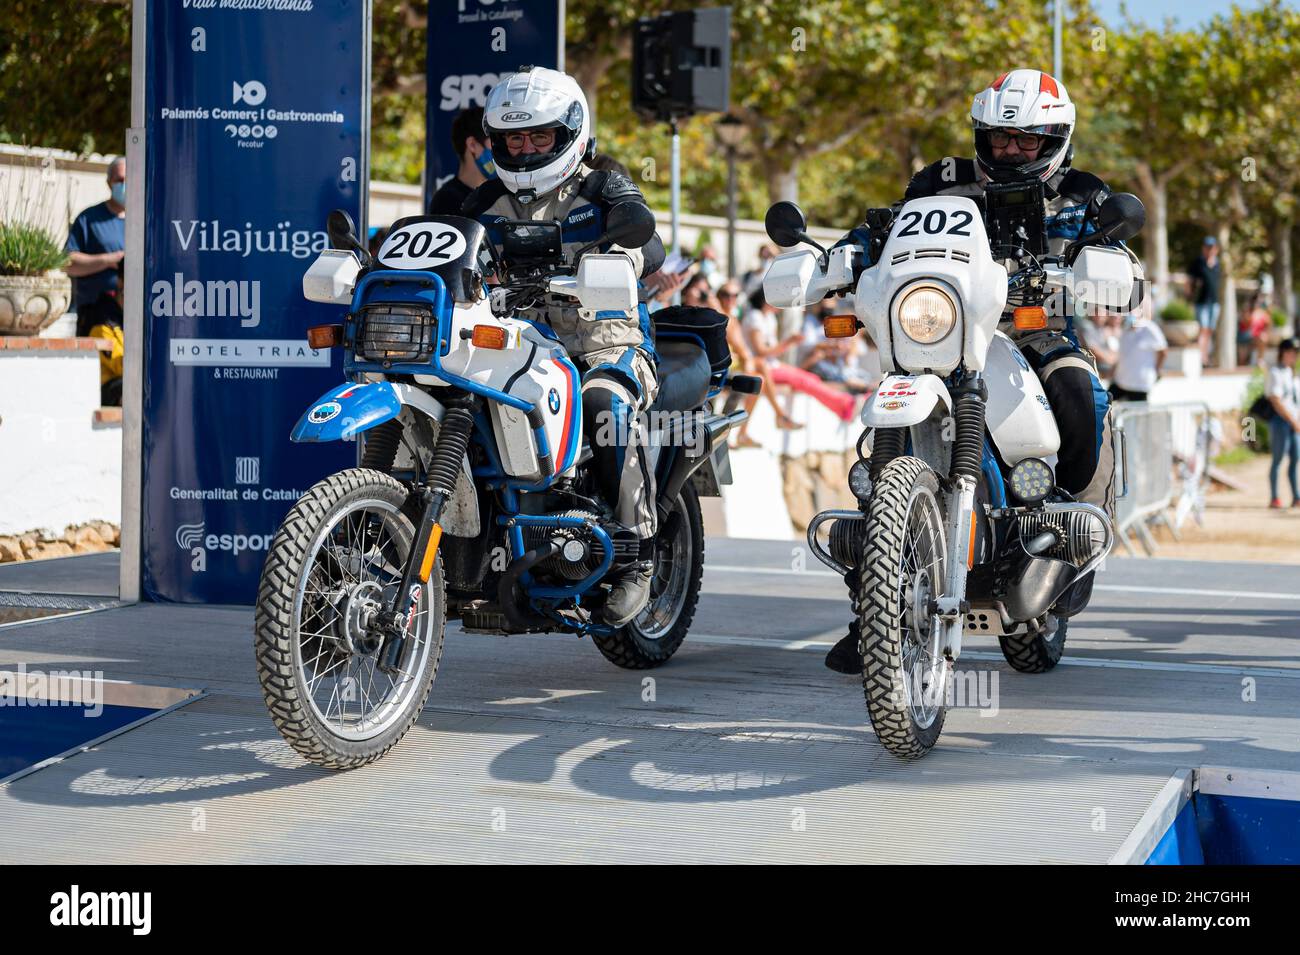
[{"x": 681, "y": 63}]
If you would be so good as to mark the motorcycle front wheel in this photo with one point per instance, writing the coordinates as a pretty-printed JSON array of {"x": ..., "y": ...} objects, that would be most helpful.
[
  {"x": 337, "y": 558},
  {"x": 904, "y": 671}
]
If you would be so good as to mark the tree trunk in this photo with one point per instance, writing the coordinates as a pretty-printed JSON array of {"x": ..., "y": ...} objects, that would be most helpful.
[
  {"x": 1156, "y": 197},
  {"x": 783, "y": 182},
  {"x": 1283, "y": 288},
  {"x": 1227, "y": 330}
]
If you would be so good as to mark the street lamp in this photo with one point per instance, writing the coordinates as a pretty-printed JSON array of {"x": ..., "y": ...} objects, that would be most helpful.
[{"x": 731, "y": 131}]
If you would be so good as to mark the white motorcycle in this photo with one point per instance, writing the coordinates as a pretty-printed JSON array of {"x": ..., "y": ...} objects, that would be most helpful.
[{"x": 960, "y": 525}]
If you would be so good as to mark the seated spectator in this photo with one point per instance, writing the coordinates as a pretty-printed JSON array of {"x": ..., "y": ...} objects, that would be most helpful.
[
  {"x": 744, "y": 363},
  {"x": 1100, "y": 334},
  {"x": 103, "y": 319},
  {"x": 762, "y": 335},
  {"x": 752, "y": 281}
]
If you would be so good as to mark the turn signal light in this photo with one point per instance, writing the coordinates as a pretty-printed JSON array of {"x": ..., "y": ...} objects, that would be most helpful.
[
  {"x": 840, "y": 326},
  {"x": 489, "y": 336},
  {"x": 1029, "y": 317},
  {"x": 325, "y": 336}
]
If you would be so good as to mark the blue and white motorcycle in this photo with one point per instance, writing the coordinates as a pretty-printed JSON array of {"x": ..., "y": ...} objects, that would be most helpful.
[{"x": 474, "y": 498}]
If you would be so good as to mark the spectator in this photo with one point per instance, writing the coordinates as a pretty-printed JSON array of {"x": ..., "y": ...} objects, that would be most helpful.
[
  {"x": 104, "y": 320},
  {"x": 96, "y": 244},
  {"x": 1142, "y": 350},
  {"x": 1203, "y": 288},
  {"x": 709, "y": 267},
  {"x": 475, "y": 152},
  {"x": 744, "y": 363},
  {"x": 1253, "y": 334},
  {"x": 1100, "y": 334},
  {"x": 1283, "y": 392},
  {"x": 753, "y": 279},
  {"x": 378, "y": 233},
  {"x": 762, "y": 336}
]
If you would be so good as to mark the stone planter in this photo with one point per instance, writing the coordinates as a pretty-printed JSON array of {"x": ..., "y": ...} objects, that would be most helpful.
[
  {"x": 29, "y": 303},
  {"x": 1181, "y": 334}
]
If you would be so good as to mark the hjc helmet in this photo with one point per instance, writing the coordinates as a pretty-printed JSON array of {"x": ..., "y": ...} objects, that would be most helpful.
[
  {"x": 538, "y": 98},
  {"x": 1028, "y": 101}
]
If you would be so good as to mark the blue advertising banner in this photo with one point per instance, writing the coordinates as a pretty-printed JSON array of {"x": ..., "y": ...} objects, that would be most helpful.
[
  {"x": 256, "y": 116},
  {"x": 472, "y": 43}
]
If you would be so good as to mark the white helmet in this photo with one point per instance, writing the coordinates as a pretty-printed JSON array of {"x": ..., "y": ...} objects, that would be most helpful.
[
  {"x": 1028, "y": 101},
  {"x": 532, "y": 99}
]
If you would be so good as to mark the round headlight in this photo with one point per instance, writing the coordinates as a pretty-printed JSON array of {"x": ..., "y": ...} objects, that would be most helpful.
[
  {"x": 927, "y": 314},
  {"x": 1031, "y": 481}
]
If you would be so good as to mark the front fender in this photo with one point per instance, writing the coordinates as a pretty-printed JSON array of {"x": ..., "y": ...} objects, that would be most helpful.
[
  {"x": 346, "y": 411},
  {"x": 904, "y": 400}
]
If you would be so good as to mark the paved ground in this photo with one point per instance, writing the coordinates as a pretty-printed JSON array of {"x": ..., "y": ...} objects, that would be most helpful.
[
  {"x": 537, "y": 749},
  {"x": 1238, "y": 525}
]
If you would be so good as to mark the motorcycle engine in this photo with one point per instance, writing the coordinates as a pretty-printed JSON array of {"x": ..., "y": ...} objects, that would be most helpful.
[
  {"x": 580, "y": 552},
  {"x": 1079, "y": 535}
]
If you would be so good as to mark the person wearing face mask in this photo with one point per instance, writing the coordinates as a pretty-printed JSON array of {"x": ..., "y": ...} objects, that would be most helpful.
[
  {"x": 96, "y": 244},
  {"x": 476, "y": 166}
]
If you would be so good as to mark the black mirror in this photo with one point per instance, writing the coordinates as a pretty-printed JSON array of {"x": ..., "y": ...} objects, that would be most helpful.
[
  {"x": 785, "y": 223},
  {"x": 629, "y": 224},
  {"x": 342, "y": 231},
  {"x": 1121, "y": 216}
]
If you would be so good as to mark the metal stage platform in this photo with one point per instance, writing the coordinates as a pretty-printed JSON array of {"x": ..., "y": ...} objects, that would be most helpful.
[{"x": 536, "y": 749}]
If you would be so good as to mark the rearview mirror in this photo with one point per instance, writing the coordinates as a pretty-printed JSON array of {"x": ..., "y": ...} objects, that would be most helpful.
[
  {"x": 629, "y": 224},
  {"x": 785, "y": 223},
  {"x": 342, "y": 231},
  {"x": 1121, "y": 216}
]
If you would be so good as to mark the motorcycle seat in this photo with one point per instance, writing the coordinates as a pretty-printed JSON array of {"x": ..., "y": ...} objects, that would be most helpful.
[{"x": 683, "y": 375}]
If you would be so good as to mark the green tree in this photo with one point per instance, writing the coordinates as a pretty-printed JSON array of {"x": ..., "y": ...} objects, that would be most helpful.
[{"x": 65, "y": 74}]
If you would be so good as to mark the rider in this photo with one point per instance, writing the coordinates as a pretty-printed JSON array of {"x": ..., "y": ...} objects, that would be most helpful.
[
  {"x": 1022, "y": 125},
  {"x": 539, "y": 127}
]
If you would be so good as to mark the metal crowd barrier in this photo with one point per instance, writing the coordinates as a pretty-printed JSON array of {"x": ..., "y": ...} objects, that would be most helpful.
[{"x": 1169, "y": 448}]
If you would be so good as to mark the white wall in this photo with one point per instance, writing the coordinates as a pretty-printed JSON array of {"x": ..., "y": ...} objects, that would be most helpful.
[{"x": 57, "y": 467}]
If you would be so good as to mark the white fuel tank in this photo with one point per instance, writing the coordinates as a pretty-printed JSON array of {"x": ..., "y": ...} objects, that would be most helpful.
[{"x": 1018, "y": 416}]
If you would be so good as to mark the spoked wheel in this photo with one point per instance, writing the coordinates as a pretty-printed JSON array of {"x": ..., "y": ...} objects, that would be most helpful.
[
  {"x": 656, "y": 632},
  {"x": 904, "y": 671},
  {"x": 337, "y": 558},
  {"x": 1038, "y": 649}
]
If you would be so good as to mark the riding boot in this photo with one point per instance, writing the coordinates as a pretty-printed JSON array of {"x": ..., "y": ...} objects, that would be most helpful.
[{"x": 846, "y": 656}]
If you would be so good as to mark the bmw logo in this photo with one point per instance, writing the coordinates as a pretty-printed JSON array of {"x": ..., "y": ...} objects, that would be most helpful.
[
  {"x": 553, "y": 401},
  {"x": 324, "y": 412}
]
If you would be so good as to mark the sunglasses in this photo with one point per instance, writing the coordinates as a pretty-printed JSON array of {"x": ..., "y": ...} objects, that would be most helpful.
[
  {"x": 541, "y": 139},
  {"x": 1001, "y": 138}
]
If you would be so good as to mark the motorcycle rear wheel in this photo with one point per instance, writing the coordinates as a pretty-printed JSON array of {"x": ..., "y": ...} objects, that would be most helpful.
[
  {"x": 1036, "y": 651},
  {"x": 656, "y": 632}
]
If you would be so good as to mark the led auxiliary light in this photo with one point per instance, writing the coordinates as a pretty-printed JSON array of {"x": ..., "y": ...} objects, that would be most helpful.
[
  {"x": 927, "y": 314},
  {"x": 1031, "y": 481},
  {"x": 860, "y": 480}
]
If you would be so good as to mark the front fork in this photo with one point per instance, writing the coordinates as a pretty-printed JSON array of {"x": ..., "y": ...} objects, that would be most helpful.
[
  {"x": 394, "y": 620},
  {"x": 951, "y": 608},
  {"x": 970, "y": 398}
]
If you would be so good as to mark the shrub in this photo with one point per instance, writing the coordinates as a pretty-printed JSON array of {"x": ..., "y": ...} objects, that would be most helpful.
[
  {"x": 27, "y": 249},
  {"x": 1177, "y": 311}
]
